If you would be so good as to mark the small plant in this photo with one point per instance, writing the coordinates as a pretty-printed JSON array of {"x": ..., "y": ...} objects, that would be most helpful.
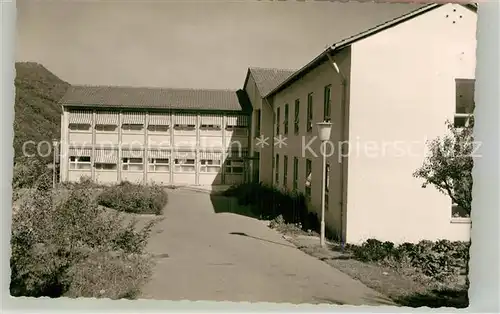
[
  {"x": 134, "y": 198},
  {"x": 277, "y": 222}
]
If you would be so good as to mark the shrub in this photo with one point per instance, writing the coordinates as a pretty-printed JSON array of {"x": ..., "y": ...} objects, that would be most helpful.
[
  {"x": 373, "y": 250},
  {"x": 269, "y": 202},
  {"x": 28, "y": 171},
  {"x": 438, "y": 260},
  {"x": 114, "y": 276},
  {"x": 52, "y": 236},
  {"x": 133, "y": 198}
]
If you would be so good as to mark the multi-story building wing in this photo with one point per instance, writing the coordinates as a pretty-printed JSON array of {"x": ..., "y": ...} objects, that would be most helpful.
[
  {"x": 167, "y": 136},
  {"x": 258, "y": 83},
  {"x": 386, "y": 91}
]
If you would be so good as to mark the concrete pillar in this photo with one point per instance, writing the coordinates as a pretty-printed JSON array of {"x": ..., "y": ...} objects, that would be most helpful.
[
  {"x": 64, "y": 146},
  {"x": 145, "y": 149},
  {"x": 119, "y": 161},
  {"x": 251, "y": 143},
  {"x": 224, "y": 150},
  {"x": 172, "y": 153},
  {"x": 197, "y": 151},
  {"x": 92, "y": 161}
]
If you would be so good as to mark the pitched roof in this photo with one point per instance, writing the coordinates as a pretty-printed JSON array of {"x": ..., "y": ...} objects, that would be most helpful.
[
  {"x": 267, "y": 79},
  {"x": 145, "y": 97},
  {"x": 345, "y": 42}
]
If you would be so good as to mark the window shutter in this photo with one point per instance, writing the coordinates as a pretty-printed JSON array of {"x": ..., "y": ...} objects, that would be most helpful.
[
  {"x": 80, "y": 152},
  {"x": 159, "y": 119},
  {"x": 159, "y": 153},
  {"x": 133, "y": 118},
  {"x": 106, "y": 156},
  {"x": 132, "y": 153},
  {"x": 107, "y": 118},
  {"x": 211, "y": 120},
  {"x": 185, "y": 155},
  {"x": 185, "y": 119},
  {"x": 80, "y": 117}
]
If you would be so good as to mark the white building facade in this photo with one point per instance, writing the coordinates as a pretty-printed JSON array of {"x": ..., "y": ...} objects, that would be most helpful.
[
  {"x": 169, "y": 137},
  {"x": 387, "y": 91}
]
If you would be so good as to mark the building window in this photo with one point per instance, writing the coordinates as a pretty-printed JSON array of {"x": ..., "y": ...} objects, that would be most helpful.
[
  {"x": 308, "y": 178},
  {"x": 277, "y": 169},
  {"x": 285, "y": 170},
  {"x": 458, "y": 212},
  {"x": 184, "y": 165},
  {"x": 285, "y": 120},
  {"x": 210, "y": 165},
  {"x": 464, "y": 104},
  {"x": 79, "y": 127},
  {"x": 327, "y": 185},
  {"x": 159, "y": 165},
  {"x": 79, "y": 163},
  {"x": 185, "y": 127},
  {"x": 158, "y": 128},
  {"x": 277, "y": 120},
  {"x": 238, "y": 130},
  {"x": 235, "y": 166},
  {"x": 105, "y": 127},
  {"x": 257, "y": 123},
  {"x": 327, "y": 103},
  {"x": 295, "y": 173},
  {"x": 132, "y": 127},
  {"x": 132, "y": 164},
  {"x": 296, "y": 128},
  {"x": 309, "y": 112},
  {"x": 104, "y": 166},
  {"x": 210, "y": 127}
]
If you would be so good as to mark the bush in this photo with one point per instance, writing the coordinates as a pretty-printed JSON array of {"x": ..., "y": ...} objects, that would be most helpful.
[
  {"x": 373, "y": 250},
  {"x": 269, "y": 202},
  {"x": 30, "y": 172},
  {"x": 114, "y": 276},
  {"x": 439, "y": 260},
  {"x": 133, "y": 198},
  {"x": 53, "y": 235}
]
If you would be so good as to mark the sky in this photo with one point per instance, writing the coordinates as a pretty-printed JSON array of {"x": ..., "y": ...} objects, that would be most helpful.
[{"x": 184, "y": 44}]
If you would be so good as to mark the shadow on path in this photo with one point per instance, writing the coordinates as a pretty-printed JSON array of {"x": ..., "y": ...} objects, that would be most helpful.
[
  {"x": 260, "y": 239},
  {"x": 436, "y": 298},
  {"x": 225, "y": 204}
]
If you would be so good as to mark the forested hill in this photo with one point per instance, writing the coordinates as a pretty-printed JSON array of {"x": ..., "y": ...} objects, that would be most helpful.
[{"x": 37, "y": 111}]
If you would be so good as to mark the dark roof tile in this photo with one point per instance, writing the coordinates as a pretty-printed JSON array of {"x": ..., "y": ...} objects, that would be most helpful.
[
  {"x": 145, "y": 97},
  {"x": 267, "y": 79}
]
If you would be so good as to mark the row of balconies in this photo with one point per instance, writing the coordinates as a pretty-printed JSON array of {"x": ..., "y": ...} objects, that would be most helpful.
[{"x": 78, "y": 139}]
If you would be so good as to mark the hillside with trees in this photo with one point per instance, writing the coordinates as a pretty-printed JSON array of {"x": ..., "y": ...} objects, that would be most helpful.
[{"x": 37, "y": 111}]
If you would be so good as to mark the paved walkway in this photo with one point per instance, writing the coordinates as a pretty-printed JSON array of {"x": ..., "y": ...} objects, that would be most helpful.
[{"x": 204, "y": 255}]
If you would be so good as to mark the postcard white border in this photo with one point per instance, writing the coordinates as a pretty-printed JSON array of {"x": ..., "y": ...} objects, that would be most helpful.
[{"x": 484, "y": 264}]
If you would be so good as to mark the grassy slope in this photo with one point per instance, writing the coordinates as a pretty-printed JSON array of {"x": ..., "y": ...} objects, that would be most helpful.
[{"x": 37, "y": 112}]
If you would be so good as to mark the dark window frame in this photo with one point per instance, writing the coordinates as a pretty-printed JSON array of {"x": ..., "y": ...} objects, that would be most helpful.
[
  {"x": 327, "y": 103},
  {"x": 296, "y": 125},
  {"x": 286, "y": 120},
  {"x": 309, "y": 123}
]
